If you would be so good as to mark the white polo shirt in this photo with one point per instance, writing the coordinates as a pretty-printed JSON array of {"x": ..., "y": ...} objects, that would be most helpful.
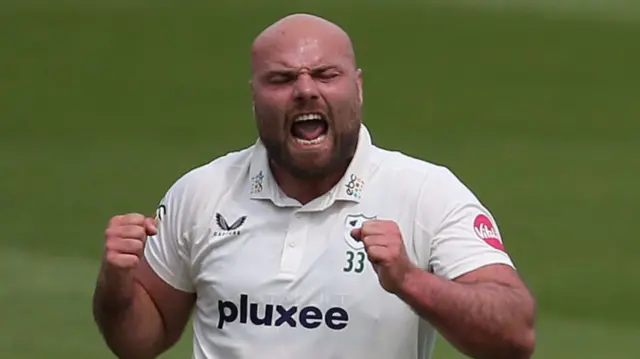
[{"x": 275, "y": 279}]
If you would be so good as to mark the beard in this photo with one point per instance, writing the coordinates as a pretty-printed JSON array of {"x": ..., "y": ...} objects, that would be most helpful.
[
  {"x": 343, "y": 121},
  {"x": 308, "y": 166},
  {"x": 342, "y": 150}
]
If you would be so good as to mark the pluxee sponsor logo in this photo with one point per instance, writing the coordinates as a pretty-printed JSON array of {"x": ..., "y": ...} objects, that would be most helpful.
[{"x": 278, "y": 315}]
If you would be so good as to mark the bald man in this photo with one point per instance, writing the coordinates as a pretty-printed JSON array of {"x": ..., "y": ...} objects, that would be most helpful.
[{"x": 312, "y": 242}]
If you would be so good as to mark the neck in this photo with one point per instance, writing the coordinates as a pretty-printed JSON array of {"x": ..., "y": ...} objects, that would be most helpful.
[{"x": 305, "y": 190}]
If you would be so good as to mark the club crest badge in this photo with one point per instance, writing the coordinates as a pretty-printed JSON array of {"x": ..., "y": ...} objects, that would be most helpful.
[{"x": 351, "y": 222}]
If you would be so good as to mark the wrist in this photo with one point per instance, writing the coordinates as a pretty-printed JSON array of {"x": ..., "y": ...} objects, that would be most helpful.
[
  {"x": 411, "y": 282},
  {"x": 416, "y": 287},
  {"x": 116, "y": 285},
  {"x": 112, "y": 276}
]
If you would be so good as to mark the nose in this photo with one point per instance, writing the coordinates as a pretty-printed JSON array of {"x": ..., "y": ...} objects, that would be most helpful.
[{"x": 305, "y": 89}]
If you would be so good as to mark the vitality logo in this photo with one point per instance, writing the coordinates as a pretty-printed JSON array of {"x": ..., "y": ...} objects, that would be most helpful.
[{"x": 309, "y": 317}]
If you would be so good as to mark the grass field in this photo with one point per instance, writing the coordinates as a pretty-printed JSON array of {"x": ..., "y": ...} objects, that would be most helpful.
[{"x": 103, "y": 104}]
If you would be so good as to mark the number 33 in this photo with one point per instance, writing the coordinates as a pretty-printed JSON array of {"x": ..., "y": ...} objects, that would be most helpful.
[{"x": 355, "y": 262}]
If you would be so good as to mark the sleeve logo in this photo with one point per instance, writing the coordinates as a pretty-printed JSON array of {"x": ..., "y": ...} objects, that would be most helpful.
[
  {"x": 486, "y": 230},
  {"x": 161, "y": 212}
]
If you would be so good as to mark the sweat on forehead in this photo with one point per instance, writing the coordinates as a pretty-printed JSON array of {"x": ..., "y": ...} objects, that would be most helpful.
[{"x": 296, "y": 34}]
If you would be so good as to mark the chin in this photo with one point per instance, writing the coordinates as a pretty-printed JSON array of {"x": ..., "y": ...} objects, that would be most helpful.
[
  {"x": 310, "y": 161},
  {"x": 309, "y": 171}
]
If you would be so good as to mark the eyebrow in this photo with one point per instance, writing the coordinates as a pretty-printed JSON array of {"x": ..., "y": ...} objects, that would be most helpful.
[{"x": 289, "y": 70}]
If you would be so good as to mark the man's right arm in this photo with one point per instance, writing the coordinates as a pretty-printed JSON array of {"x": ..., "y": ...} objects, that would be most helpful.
[
  {"x": 133, "y": 324},
  {"x": 144, "y": 294}
]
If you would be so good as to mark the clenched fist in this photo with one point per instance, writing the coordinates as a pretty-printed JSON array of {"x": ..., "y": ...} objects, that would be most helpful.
[
  {"x": 386, "y": 251},
  {"x": 124, "y": 239}
]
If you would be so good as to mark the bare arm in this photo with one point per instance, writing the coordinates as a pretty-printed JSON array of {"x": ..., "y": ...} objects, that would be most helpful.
[
  {"x": 486, "y": 314},
  {"x": 472, "y": 294},
  {"x": 138, "y": 314}
]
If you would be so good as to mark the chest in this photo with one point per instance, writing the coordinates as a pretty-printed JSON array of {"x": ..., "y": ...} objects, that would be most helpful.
[{"x": 290, "y": 267}]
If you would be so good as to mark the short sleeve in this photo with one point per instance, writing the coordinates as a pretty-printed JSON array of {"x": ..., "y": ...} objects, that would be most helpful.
[
  {"x": 167, "y": 252},
  {"x": 463, "y": 235}
]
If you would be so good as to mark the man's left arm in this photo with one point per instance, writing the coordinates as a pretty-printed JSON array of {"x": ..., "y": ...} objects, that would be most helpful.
[
  {"x": 472, "y": 294},
  {"x": 487, "y": 313}
]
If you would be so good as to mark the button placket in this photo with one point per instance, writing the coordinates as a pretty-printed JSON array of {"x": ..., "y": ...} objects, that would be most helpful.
[{"x": 293, "y": 250}]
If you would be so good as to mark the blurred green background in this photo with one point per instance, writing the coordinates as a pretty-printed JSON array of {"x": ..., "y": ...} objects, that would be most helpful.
[{"x": 534, "y": 104}]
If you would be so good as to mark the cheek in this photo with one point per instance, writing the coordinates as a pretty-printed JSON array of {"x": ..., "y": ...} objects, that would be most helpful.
[
  {"x": 344, "y": 106},
  {"x": 266, "y": 104},
  {"x": 272, "y": 105},
  {"x": 343, "y": 97},
  {"x": 273, "y": 94},
  {"x": 269, "y": 118}
]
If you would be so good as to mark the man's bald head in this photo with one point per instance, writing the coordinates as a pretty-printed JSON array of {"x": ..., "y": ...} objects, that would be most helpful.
[{"x": 298, "y": 33}]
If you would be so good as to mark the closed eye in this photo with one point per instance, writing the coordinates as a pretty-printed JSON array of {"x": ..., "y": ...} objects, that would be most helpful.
[
  {"x": 326, "y": 73},
  {"x": 281, "y": 77}
]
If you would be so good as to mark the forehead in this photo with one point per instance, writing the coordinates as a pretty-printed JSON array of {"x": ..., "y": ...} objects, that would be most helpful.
[{"x": 299, "y": 50}]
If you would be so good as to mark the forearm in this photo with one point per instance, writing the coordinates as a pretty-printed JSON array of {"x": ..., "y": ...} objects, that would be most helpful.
[
  {"x": 131, "y": 326},
  {"x": 483, "y": 320}
]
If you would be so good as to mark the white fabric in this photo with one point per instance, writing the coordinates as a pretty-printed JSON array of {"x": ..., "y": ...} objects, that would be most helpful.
[{"x": 228, "y": 233}]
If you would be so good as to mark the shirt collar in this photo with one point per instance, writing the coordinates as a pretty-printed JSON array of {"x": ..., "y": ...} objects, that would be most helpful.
[{"x": 351, "y": 187}]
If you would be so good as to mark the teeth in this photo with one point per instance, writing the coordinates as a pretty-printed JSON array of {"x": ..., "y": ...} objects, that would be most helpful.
[
  {"x": 308, "y": 117},
  {"x": 315, "y": 141}
]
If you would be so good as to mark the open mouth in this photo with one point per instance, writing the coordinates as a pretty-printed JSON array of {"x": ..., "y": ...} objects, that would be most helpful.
[{"x": 309, "y": 128}]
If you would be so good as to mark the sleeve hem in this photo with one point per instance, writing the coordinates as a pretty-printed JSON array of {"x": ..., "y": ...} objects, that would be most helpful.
[
  {"x": 470, "y": 265},
  {"x": 167, "y": 277}
]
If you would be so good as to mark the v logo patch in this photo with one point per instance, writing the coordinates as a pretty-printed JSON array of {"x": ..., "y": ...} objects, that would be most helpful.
[{"x": 224, "y": 225}]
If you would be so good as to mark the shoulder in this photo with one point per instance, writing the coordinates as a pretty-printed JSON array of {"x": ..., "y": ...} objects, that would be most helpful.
[
  {"x": 411, "y": 171},
  {"x": 433, "y": 188},
  {"x": 215, "y": 173},
  {"x": 437, "y": 193},
  {"x": 204, "y": 183}
]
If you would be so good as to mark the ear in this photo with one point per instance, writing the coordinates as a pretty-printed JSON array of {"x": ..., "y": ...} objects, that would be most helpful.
[
  {"x": 359, "y": 83},
  {"x": 253, "y": 102}
]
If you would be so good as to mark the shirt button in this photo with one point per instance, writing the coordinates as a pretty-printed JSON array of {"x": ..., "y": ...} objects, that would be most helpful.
[
  {"x": 298, "y": 215},
  {"x": 292, "y": 244}
]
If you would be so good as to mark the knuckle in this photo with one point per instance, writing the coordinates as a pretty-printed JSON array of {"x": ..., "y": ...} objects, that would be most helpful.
[
  {"x": 109, "y": 232},
  {"x": 137, "y": 246},
  {"x": 136, "y": 234},
  {"x": 115, "y": 220},
  {"x": 112, "y": 233},
  {"x": 136, "y": 218},
  {"x": 112, "y": 257},
  {"x": 139, "y": 232},
  {"x": 126, "y": 219},
  {"x": 126, "y": 232},
  {"x": 112, "y": 246}
]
